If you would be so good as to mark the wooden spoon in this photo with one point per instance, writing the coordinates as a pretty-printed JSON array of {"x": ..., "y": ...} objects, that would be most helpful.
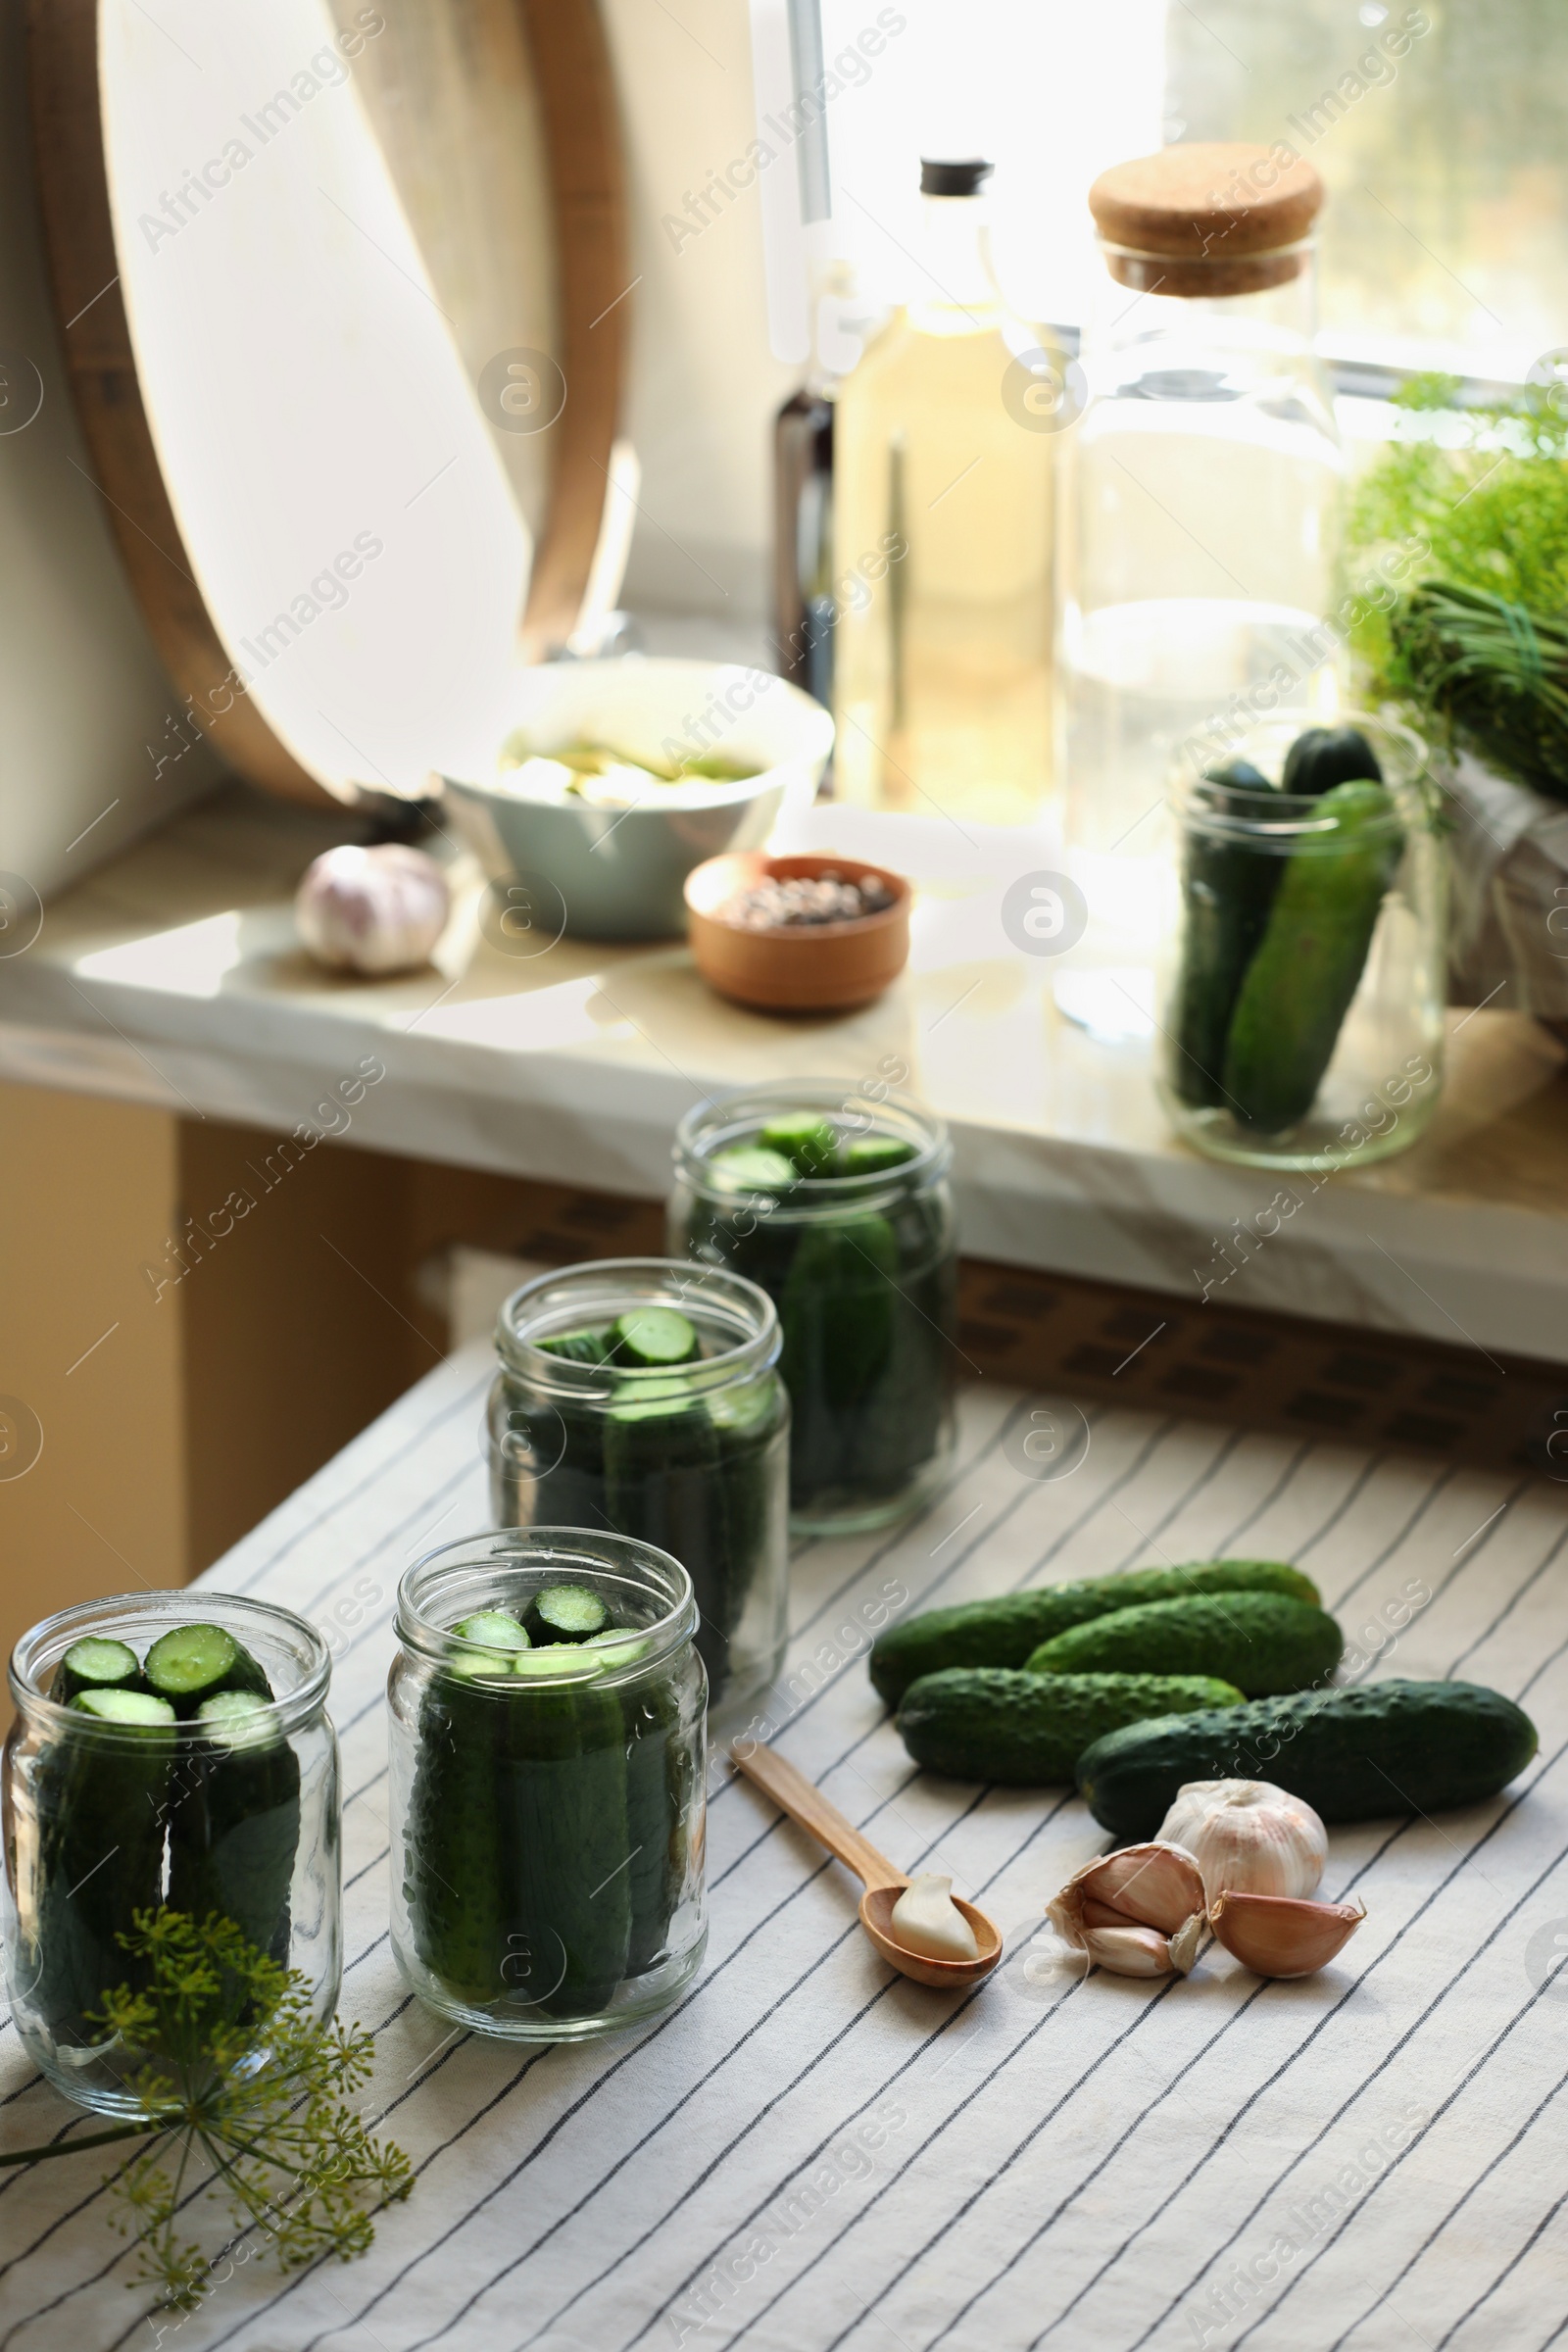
[{"x": 806, "y": 1804}]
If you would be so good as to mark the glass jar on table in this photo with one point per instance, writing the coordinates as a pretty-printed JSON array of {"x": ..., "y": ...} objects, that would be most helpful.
[
  {"x": 837, "y": 1202},
  {"x": 1199, "y": 522},
  {"x": 547, "y": 1782},
  {"x": 641, "y": 1397},
  {"x": 170, "y": 1753}
]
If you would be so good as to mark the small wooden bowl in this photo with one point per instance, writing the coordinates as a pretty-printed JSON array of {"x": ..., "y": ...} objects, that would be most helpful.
[{"x": 805, "y": 967}]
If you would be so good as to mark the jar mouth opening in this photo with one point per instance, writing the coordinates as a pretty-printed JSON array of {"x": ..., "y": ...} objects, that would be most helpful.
[
  {"x": 483, "y": 1571},
  {"x": 737, "y": 1119},
  {"x": 1292, "y": 824},
  {"x": 137, "y": 1617},
  {"x": 722, "y": 1305}
]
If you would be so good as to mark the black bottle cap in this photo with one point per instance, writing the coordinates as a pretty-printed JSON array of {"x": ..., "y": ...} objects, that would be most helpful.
[{"x": 953, "y": 180}]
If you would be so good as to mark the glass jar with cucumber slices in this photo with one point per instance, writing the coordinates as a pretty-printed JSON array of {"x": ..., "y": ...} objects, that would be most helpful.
[
  {"x": 1305, "y": 964},
  {"x": 837, "y": 1203},
  {"x": 640, "y": 1397},
  {"x": 548, "y": 1763},
  {"x": 169, "y": 1751}
]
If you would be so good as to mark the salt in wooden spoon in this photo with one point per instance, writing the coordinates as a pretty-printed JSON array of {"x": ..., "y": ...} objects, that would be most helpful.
[{"x": 806, "y": 1804}]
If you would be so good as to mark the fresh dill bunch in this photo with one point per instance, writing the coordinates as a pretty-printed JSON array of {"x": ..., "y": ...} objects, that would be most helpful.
[
  {"x": 234, "y": 2074},
  {"x": 1487, "y": 497}
]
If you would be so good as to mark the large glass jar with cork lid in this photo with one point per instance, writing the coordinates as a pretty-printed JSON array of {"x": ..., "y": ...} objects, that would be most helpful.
[{"x": 1198, "y": 512}]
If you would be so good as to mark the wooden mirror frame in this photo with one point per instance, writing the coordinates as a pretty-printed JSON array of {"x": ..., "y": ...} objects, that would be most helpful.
[{"x": 586, "y": 173}]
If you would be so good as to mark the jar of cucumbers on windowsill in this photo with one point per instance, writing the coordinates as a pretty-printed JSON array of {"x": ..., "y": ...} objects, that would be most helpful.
[
  {"x": 171, "y": 1752},
  {"x": 640, "y": 1397},
  {"x": 1305, "y": 967},
  {"x": 836, "y": 1200},
  {"x": 548, "y": 1762}
]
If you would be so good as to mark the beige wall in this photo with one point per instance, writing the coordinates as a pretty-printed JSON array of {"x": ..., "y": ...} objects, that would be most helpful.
[{"x": 88, "y": 1192}]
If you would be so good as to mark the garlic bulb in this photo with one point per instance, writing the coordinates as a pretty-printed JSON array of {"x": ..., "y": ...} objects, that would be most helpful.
[
  {"x": 1249, "y": 1837},
  {"x": 373, "y": 911},
  {"x": 1276, "y": 1935},
  {"x": 1137, "y": 1912}
]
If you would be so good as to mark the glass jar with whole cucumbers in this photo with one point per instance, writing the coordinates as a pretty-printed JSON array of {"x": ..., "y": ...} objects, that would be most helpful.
[
  {"x": 548, "y": 1762},
  {"x": 640, "y": 1397},
  {"x": 170, "y": 1751},
  {"x": 837, "y": 1203},
  {"x": 1305, "y": 966}
]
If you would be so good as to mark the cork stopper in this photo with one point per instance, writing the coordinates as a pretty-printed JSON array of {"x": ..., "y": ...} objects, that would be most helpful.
[{"x": 1216, "y": 216}]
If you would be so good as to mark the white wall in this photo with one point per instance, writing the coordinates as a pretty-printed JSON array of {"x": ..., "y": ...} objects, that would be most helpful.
[{"x": 82, "y": 693}]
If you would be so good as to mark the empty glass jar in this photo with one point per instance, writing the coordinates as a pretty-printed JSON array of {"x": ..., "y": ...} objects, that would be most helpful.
[
  {"x": 547, "y": 1789},
  {"x": 235, "y": 1810}
]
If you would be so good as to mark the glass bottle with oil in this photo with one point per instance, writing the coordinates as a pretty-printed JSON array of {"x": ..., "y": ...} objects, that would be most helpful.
[{"x": 944, "y": 464}]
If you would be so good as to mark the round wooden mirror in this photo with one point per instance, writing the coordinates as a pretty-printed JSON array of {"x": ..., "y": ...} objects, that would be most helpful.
[{"x": 343, "y": 295}]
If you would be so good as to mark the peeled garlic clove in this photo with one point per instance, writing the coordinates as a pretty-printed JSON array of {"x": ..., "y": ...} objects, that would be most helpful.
[
  {"x": 1249, "y": 1837},
  {"x": 1156, "y": 1886},
  {"x": 1129, "y": 1951},
  {"x": 1279, "y": 1936},
  {"x": 926, "y": 1920},
  {"x": 378, "y": 909}
]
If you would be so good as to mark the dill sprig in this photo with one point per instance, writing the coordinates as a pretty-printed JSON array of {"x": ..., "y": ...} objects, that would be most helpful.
[
  {"x": 1494, "y": 677},
  {"x": 236, "y": 2075}
]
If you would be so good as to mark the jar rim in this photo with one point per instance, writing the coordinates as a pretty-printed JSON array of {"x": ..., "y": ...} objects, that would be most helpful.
[
  {"x": 1285, "y": 823},
  {"x": 723, "y": 1118},
  {"x": 607, "y": 1555},
  {"x": 620, "y": 1283},
  {"x": 46, "y": 1643}
]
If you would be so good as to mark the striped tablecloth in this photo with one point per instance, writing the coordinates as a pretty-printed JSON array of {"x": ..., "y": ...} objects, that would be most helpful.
[{"x": 811, "y": 2152}]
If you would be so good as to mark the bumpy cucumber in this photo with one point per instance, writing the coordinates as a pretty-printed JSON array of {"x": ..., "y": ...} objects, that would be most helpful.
[
  {"x": 457, "y": 1856},
  {"x": 1228, "y": 889},
  {"x": 1300, "y": 981},
  {"x": 993, "y": 1723},
  {"x": 1379, "y": 1749},
  {"x": 837, "y": 1310},
  {"x": 1261, "y": 1642},
  {"x": 234, "y": 1823},
  {"x": 102, "y": 1796},
  {"x": 1004, "y": 1631},
  {"x": 659, "y": 1777},
  {"x": 565, "y": 1823}
]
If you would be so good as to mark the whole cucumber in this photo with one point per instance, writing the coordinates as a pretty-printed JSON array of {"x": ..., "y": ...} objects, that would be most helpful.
[
  {"x": 1379, "y": 1749},
  {"x": 1228, "y": 889},
  {"x": 1004, "y": 1631},
  {"x": 1299, "y": 984},
  {"x": 1261, "y": 1642},
  {"x": 235, "y": 1824},
  {"x": 456, "y": 1864},
  {"x": 993, "y": 1723},
  {"x": 102, "y": 1799},
  {"x": 565, "y": 1830}
]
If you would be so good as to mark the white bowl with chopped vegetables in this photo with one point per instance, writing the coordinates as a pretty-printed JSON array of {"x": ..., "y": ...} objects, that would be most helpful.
[{"x": 617, "y": 777}]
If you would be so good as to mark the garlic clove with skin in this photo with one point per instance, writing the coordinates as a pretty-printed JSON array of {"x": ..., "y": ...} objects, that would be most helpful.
[
  {"x": 1138, "y": 1911},
  {"x": 1280, "y": 1935},
  {"x": 1249, "y": 1837}
]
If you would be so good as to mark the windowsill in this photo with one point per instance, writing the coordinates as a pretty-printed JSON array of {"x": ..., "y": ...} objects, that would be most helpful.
[{"x": 172, "y": 977}]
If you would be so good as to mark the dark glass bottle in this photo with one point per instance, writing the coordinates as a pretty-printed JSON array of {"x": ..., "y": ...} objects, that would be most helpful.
[{"x": 803, "y": 541}]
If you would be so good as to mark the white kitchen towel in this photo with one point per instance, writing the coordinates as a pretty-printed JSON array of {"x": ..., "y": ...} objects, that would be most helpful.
[{"x": 812, "y": 2153}]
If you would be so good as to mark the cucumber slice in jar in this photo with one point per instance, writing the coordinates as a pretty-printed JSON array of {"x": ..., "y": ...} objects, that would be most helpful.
[
  {"x": 749, "y": 1168},
  {"x": 492, "y": 1629},
  {"x": 565, "y": 1613},
  {"x": 193, "y": 1662},
  {"x": 870, "y": 1155},
  {"x": 134, "y": 1711},
  {"x": 547, "y": 1661},
  {"x": 807, "y": 1142},
  {"x": 235, "y": 1824},
  {"x": 577, "y": 1347},
  {"x": 653, "y": 1339},
  {"x": 95, "y": 1663}
]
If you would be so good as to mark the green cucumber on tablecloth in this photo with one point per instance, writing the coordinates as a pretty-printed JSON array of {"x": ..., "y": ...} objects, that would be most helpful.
[
  {"x": 1263, "y": 1643},
  {"x": 995, "y": 1723},
  {"x": 1006, "y": 1630},
  {"x": 1373, "y": 1752},
  {"x": 1300, "y": 981},
  {"x": 102, "y": 1792},
  {"x": 235, "y": 1821}
]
